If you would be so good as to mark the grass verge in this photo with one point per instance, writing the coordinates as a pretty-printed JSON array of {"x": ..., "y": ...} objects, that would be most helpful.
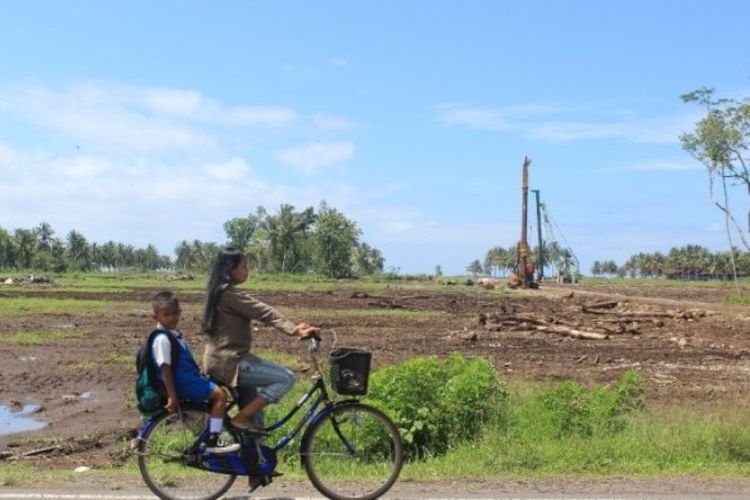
[
  {"x": 38, "y": 337},
  {"x": 737, "y": 300},
  {"x": 550, "y": 431},
  {"x": 15, "y": 306}
]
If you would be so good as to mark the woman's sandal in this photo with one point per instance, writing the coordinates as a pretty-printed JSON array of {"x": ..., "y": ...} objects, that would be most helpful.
[{"x": 255, "y": 482}]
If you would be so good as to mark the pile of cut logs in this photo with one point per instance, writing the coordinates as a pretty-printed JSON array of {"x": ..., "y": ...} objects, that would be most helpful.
[{"x": 594, "y": 321}]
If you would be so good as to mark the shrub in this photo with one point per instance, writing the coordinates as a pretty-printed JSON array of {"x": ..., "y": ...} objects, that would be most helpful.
[
  {"x": 438, "y": 403},
  {"x": 573, "y": 410}
]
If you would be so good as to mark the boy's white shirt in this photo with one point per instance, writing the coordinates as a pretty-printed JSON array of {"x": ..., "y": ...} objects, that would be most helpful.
[{"x": 162, "y": 349}]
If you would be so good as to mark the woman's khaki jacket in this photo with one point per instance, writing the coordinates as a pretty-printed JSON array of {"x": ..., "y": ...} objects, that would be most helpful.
[{"x": 232, "y": 334}]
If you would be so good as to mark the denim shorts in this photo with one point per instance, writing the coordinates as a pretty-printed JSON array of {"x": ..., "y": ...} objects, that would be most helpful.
[{"x": 271, "y": 381}]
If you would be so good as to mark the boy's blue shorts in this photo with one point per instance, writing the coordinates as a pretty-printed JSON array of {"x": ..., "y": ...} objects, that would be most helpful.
[{"x": 195, "y": 388}]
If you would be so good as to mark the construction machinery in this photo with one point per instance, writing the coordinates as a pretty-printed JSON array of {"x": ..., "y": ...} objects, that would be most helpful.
[
  {"x": 554, "y": 249},
  {"x": 523, "y": 276}
]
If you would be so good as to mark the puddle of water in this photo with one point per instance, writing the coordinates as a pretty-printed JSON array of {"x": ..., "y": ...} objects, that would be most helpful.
[{"x": 12, "y": 422}]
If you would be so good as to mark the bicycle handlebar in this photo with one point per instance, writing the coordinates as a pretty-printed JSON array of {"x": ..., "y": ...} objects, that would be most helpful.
[{"x": 316, "y": 338}]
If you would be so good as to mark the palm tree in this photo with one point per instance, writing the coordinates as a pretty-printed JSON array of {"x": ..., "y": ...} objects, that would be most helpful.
[
  {"x": 495, "y": 260},
  {"x": 45, "y": 236},
  {"x": 108, "y": 255},
  {"x": 79, "y": 251},
  {"x": 596, "y": 268},
  {"x": 287, "y": 233},
  {"x": 7, "y": 249},
  {"x": 26, "y": 247},
  {"x": 184, "y": 254},
  {"x": 475, "y": 268}
]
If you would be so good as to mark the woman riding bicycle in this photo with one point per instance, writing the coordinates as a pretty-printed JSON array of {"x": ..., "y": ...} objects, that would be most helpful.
[{"x": 227, "y": 322}]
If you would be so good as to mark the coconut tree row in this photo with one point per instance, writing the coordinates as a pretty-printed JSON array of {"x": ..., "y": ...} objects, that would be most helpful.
[
  {"x": 687, "y": 262},
  {"x": 39, "y": 248},
  {"x": 499, "y": 261},
  {"x": 289, "y": 241}
]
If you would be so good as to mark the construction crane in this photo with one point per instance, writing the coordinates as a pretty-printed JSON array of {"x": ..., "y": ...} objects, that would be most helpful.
[{"x": 558, "y": 251}]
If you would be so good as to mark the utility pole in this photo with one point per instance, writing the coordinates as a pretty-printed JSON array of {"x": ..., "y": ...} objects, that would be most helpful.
[{"x": 540, "y": 260}]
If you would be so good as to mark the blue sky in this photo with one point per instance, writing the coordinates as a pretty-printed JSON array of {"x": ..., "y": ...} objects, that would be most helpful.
[{"x": 154, "y": 122}]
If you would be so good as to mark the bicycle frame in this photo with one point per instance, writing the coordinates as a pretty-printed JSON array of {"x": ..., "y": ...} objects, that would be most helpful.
[{"x": 311, "y": 415}]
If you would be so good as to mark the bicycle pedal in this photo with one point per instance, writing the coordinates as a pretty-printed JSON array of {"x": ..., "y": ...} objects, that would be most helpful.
[{"x": 255, "y": 482}]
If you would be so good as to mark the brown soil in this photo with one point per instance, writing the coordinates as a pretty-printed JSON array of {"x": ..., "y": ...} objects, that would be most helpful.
[{"x": 689, "y": 347}]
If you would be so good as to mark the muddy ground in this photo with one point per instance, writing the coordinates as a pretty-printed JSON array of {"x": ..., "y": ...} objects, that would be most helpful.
[{"x": 690, "y": 348}]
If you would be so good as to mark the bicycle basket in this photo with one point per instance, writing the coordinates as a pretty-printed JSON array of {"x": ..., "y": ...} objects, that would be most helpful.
[{"x": 350, "y": 370}]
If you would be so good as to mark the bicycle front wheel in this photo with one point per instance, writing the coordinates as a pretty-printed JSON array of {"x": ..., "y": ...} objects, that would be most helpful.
[
  {"x": 169, "y": 466},
  {"x": 353, "y": 452}
]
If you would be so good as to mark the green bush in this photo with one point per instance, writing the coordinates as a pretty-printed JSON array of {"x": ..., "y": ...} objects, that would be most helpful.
[
  {"x": 438, "y": 403},
  {"x": 570, "y": 409}
]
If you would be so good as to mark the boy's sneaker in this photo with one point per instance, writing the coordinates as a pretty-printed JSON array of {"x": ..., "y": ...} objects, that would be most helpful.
[{"x": 214, "y": 446}]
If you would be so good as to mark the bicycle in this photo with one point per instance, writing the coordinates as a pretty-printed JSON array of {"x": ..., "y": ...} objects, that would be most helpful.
[{"x": 349, "y": 450}]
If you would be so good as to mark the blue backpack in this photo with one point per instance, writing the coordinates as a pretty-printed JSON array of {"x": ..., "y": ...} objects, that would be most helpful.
[{"x": 150, "y": 394}]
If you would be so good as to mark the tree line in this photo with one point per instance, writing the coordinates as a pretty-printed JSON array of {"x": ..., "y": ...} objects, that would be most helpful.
[
  {"x": 291, "y": 241},
  {"x": 499, "y": 261},
  {"x": 687, "y": 262},
  {"x": 39, "y": 248}
]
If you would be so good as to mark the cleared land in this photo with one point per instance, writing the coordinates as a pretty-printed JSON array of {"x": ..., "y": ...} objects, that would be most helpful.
[{"x": 72, "y": 350}]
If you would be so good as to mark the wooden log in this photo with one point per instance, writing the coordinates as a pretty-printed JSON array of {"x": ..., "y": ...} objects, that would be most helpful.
[
  {"x": 570, "y": 332},
  {"x": 597, "y": 311},
  {"x": 607, "y": 304},
  {"x": 518, "y": 318},
  {"x": 42, "y": 451}
]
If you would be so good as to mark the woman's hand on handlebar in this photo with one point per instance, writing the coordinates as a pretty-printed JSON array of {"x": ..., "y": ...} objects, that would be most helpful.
[{"x": 305, "y": 331}]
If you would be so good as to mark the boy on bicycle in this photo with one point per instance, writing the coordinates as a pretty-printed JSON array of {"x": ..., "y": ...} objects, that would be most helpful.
[{"x": 179, "y": 372}]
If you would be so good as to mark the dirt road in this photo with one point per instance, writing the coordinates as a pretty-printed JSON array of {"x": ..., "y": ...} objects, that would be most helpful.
[{"x": 674, "y": 489}]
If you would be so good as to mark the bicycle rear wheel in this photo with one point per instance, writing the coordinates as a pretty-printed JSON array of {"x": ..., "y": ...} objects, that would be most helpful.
[
  {"x": 354, "y": 452},
  {"x": 165, "y": 459}
]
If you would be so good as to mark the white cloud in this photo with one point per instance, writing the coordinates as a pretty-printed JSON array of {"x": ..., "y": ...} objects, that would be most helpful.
[
  {"x": 338, "y": 61},
  {"x": 234, "y": 169},
  {"x": 479, "y": 118},
  {"x": 7, "y": 155},
  {"x": 657, "y": 166},
  {"x": 542, "y": 122},
  {"x": 81, "y": 167},
  {"x": 194, "y": 106},
  {"x": 104, "y": 115},
  {"x": 333, "y": 123},
  {"x": 257, "y": 116},
  {"x": 316, "y": 155},
  {"x": 174, "y": 102},
  {"x": 100, "y": 116}
]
